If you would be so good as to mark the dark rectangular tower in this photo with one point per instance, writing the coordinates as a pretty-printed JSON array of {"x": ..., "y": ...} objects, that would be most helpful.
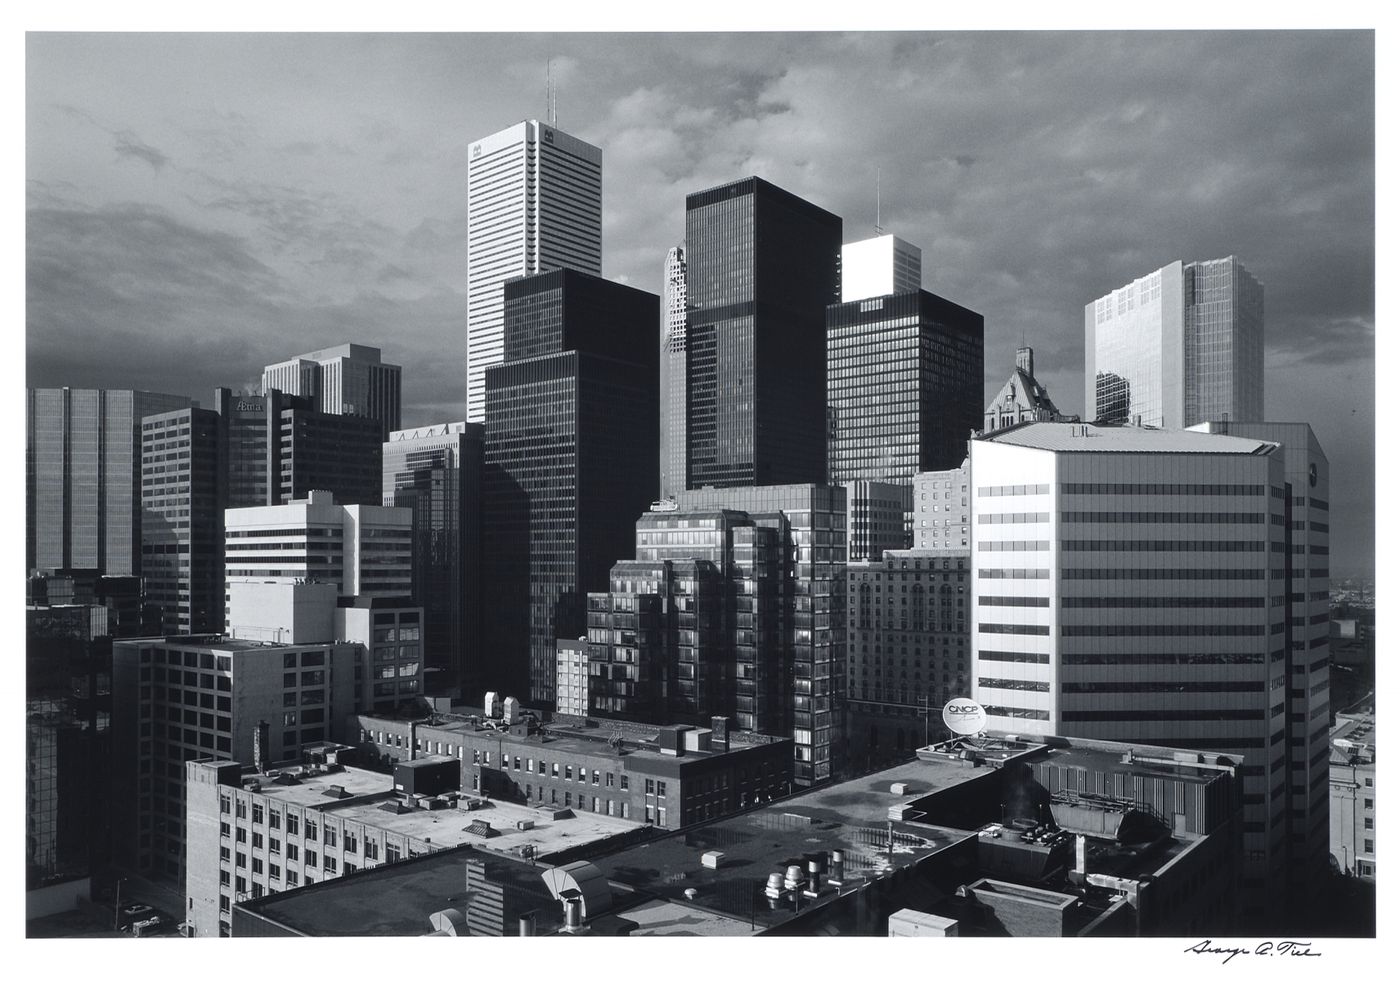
[
  {"x": 570, "y": 462},
  {"x": 762, "y": 265}
]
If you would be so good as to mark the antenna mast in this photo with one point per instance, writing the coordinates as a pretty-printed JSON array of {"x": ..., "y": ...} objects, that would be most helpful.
[
  {"x": 551, "y": 98},
  {"x": 878, "y": 229}
]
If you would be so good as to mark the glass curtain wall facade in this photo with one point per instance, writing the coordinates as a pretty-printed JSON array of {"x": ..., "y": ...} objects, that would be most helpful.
[
  {"x": 570, "y": 461},
  {"x": 534, "y": 203},
  {"x": 761, "y": 266},
  {"x": 904, "y": 385},
  {"x": 182, "y": 519},
  {"x": 436, "y": 472},
  {"x": 347, "y": 379},
  {"x": 673, "y": 373},
  {"x": 1182, "y": 345},
  {"x": 83, "y": 477}
]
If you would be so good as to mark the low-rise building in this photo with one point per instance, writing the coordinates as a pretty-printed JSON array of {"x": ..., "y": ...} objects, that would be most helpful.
[
  {"x": 1353, "y": 794},
  {"x": 668, "y": 776},
  {"x": 260, "y": 831}
]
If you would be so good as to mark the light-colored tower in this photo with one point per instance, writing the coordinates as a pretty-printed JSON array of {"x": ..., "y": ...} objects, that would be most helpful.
[
  {"x": 673, "y": 352},
  {"x": 878, "y": 267},
  {"x": 534, "y": 203},
  {"x": 347, "y": 380},
  {"x": 1179, "y": 346}
]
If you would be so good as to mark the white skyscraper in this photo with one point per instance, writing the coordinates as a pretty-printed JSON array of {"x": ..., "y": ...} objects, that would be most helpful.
[
  {"x": 879, "y": 267},
  {"x": 1179, "y": 346},
  {"x": 534, "y": 203},
  {"x": 673, "y": 368}
]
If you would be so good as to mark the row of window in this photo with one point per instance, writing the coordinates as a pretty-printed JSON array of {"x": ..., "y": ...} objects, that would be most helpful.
[{"x": 1247, "y": 518}]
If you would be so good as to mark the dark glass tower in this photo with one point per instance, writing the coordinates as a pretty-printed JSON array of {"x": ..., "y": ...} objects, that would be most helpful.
[
  {"x": 904, "y": 386},
  {"x": 436, "y": 471},
  {"x": 762, "y": 264},
  {"x": 182, "y": 519},
  {"x": 280, "y": 448},
  {"x": 570, "y": 462}
]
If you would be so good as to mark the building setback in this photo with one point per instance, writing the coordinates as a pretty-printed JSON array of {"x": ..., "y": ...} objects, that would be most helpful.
[
  {"x": 350, "y": 380},
  {"x": 182, "y": 510},
  {"x": 673, "y": 373},
  {"x": 570, "y": 462},
  {"x": 83, "y": 477},
  {"x": 1129, "y": 584},
  {"x": 534, "y": 203},
  {"x": 761, "y": 266},
  {"x": 436, "y": 472},
  {"x": 1179, "y": 346}
]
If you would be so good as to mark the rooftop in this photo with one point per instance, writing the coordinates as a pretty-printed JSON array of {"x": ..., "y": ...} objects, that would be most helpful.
[
  {"x": 1088, "y": 437},
  {"x": 1353, "y": 739}
]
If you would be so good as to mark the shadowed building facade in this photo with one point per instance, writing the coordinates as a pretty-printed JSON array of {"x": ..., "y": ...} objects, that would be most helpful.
[
  {"x": 761, "y": 266},
  {"x": 571, "y": 451}
]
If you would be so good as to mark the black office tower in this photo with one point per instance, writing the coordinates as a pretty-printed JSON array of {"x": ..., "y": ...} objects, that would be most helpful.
[
  {"x": 571, "y": 459},
  {"x": 182, "y": 519},
  {"x": 762, "y": 266},
  {"x": 904, "y": 386}
]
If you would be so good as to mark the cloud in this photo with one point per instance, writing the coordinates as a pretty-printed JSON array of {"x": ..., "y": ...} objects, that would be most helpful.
[{"x": 128, "y": 145}]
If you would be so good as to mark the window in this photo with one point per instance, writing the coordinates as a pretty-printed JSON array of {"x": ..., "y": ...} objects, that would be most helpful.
[
  {"x": 595, "y": 776},
  {"x": 1370, "y": 846},
  {"x": 351, "y": 842},
  {"x": 274, "y": 820},
  {"x": 240, "y": 860},
  {"x": 311, "y": 829},
  {"x": 1370, "y": 823},
  {"x": 292, "y": 878},
  {"x": 311, "y": 858},
  {"x": 293, "y": 824},
  {"x": 274, "y": 871},
  {"x": 391, "y": 853},
  {"x": 257, "y": 866},
  {"x": 257, "y": 814},
  {"x": 223, "y": 878},
  {"x": 371, "y": 850},
  {"x": 568, "y": 799},
  {"x": 292, "y": 851},
  {"x": 623, "y": 780},
  {"x": 568, "y": 773},
  {"x": 330, "y": 863},
  {"x": 223, "y": 902},
  {"x": 330, "y": 836},
  {"x": 274, "y": 845},
  {"x": 257, "y": 841},
  {"x": 240, "y": 835}
]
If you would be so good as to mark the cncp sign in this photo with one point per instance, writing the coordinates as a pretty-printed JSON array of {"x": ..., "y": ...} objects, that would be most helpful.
[{"x": 963, "y": 716}]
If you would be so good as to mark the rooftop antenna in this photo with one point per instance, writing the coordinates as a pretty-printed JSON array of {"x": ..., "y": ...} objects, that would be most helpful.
[
  {"x": 878, "y": 229},
  {"x": 551, "y": 98}
]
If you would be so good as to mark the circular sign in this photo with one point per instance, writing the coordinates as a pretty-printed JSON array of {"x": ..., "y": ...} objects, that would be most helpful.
[{"x": 963, "y": 716}]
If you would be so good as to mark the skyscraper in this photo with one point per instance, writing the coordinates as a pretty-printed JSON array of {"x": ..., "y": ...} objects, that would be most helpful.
[
  {"x": 182, "y": 519},
  {"x": 570, "y": 462},
  {"x": 348, "y": 379},
  {"x": 673, "y": 352},
  {"x": 1179, "y": 346},
  {"x": 436, "y": 472},
  {"x": 534, "y": 203},
  {"x": 1131, "y": 584},
  {"x": 279, "y": 448},
  {"x": 83, "y": 477},
  {"x": 761, "y": 266}
]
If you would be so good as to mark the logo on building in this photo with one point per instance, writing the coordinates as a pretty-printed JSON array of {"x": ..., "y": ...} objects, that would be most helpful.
[{"x": 964, "y": 716}]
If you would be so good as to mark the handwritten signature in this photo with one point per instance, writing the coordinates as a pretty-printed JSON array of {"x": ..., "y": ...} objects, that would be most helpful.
[{"x": 1285, "y": 947}]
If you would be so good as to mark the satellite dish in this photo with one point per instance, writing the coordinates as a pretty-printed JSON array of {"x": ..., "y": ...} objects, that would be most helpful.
[{"x": 964, "y": 716}]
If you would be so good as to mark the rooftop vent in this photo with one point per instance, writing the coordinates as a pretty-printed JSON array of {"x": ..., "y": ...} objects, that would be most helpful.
[
  {"x": 336, "y": 792},
  {"x": 480, "y": 827}
]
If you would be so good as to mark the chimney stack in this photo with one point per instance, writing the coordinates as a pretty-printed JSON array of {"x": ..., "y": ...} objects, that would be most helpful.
[{"x": 260, "y": 741}]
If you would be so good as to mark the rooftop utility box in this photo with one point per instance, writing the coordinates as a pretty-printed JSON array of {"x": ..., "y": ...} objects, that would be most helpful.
[
  {"x": 713, "y": 859},
  {"x": 427, "y": 776},
  {"x": 907, "y": 923},
  {"x": 899, "y": 788},
  {"x": 671, "y": 740}
]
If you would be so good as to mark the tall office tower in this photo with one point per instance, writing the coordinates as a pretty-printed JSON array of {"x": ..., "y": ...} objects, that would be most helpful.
[
  {"x": 761, "y": 266},
  {"x": 364, "y": 550},
  {"x": 534, "y": 204},
  {"x": 570, "y": 462},
  {"x": 941, "y": 509},
  {"x": 877, "y": 517},
  {"x": 908, "y": 649},
  {"x": 811, "y": 522},
  {"x": 1179, "y": 346},
  {"x": 279, "y": 448},
  {"x": 880, "y": 266},
  {"x": 1022, "y": 399},
  {"x": 1308, "y": 571},
  {"x": 83, "y": 477},
  {"x": 182, "y": 519},
  {"x": 436, "y": 472},
  {"x": 1131, "y": 584},
  {"x": 673, "y": 361},
  {"x": 693, "y": 627},
  {"x": 349, "y": 380}
]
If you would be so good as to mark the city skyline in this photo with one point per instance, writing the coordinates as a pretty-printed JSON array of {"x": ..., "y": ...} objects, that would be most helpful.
[{"x": 195, "y": 231}]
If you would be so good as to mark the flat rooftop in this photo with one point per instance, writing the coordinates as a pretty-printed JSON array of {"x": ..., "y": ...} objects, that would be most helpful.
[
  {"x": 446, "y": 827},
  {"x": 1088, "y": 437}
]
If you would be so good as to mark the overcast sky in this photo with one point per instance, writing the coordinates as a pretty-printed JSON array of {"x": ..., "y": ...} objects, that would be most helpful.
[{"x": 201, "y": 205}]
